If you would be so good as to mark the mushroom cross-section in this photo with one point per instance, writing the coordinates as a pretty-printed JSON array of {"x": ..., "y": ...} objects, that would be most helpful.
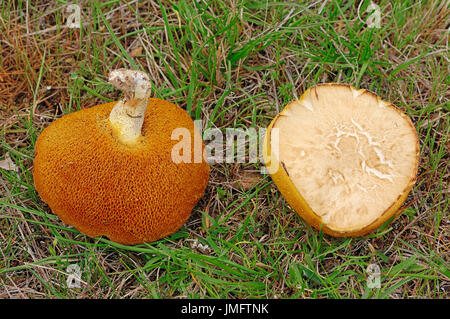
[{"x": 344, "y": 159}]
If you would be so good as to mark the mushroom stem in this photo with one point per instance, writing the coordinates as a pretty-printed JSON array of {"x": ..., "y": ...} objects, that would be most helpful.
[{"x": 128, "y": 114}]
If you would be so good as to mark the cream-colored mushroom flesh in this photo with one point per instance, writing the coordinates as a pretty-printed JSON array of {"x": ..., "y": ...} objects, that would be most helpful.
[{"x": 349, "y": 154}]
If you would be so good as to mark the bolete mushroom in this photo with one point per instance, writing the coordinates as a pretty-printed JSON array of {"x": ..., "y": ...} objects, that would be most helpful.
[
  {"x": 343, "y": 159},
  {"x": 108, "y": 169}
]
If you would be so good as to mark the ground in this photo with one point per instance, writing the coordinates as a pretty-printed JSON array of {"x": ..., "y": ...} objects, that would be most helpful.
[{"x": 231, "y": 64}]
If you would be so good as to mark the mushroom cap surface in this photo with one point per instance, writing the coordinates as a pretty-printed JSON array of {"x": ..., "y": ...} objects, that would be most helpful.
[
  {"x": 344, "y": 159},
  {"x": 131, "y": 194}
]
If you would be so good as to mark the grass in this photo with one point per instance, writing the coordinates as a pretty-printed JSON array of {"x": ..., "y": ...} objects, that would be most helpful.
[{"x": 232, "y": 64}]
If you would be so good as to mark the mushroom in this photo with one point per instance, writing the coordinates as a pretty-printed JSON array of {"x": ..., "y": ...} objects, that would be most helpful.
[
  {"x": 108, "y": 170},
  {"x": 343, "y": 159}
]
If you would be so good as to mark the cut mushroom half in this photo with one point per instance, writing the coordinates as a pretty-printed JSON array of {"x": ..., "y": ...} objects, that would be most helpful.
[{"x": 344, "y": 159}]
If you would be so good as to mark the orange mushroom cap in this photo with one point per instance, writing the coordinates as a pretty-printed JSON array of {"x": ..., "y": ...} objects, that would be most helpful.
[{"x": 130, "y": 192}]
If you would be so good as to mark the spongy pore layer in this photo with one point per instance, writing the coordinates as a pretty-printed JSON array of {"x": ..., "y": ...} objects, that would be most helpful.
[
  {"x": 349, "y": 154},
  {"x": 131, "y": 194}
]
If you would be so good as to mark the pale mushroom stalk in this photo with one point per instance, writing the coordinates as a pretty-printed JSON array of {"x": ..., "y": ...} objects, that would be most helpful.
[{"x": 128, "y": 114}]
